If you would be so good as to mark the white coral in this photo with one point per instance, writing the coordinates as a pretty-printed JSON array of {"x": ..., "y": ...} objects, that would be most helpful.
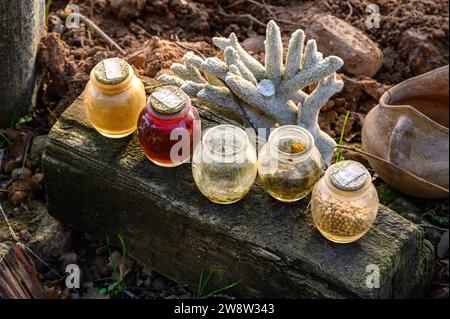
[{"x": 266, "y": 96}]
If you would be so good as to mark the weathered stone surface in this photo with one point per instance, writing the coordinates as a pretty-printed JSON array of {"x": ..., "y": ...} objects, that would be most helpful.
[
  {"x": 334, "y": 36},
  {"x": 104, "y": 187}
]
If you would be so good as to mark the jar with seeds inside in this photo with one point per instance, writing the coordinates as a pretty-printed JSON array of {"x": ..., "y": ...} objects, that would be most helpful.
[
  {"x": 289, "y": 163},
  {"x": 344, "y": 202}
]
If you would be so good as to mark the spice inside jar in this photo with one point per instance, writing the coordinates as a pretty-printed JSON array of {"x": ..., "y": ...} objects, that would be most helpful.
[
  {"x": 289, "y": 163},
  {"x": 113, "y": 98},
  {"x": 169, "y": 127},
  {"x": 344, "y": 202},
  {"x": 224, "y": 164}
]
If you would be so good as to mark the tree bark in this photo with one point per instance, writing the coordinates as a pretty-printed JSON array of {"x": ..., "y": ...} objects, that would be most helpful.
[
  {"x": 18, "y": 276},
  {"x": 22, "y": 24}
]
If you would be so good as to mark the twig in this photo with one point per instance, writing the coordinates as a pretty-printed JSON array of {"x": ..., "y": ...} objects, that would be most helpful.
[
  {"x": 8, "y": 224},
  {"x": 247, "y": 117},
  {"x": 244, "y": 15},
  {"x": 134, "y": 54},
  {"x": 90, "y": 24},
  {"x": 25, "y": 153},
  {"x": 265, "y": 6},
  {"x": 90, "y": 37},
  {"x": 350, "y": 10},
  {"x": 236, "y": 3},
  {"x": 432, "y": 226},
  {"x": 352, "y": 149},
  {"x": 270, "y": 206},
  {"x": 272, "y": 14},
  {"x": 177, "y": 42}
]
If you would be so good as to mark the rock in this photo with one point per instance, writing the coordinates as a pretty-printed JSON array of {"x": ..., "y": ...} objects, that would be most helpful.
[
  {"x": 168, "y": 225},
  {"x": 254, "y": 44},
  {"x": 440, "y": 294},
  {"x": 334, "y": 36},
  {"x": 18, "y": 197},
  {"x": 21, "y": 173},
  {"x": 422, "y": 55},
  {"x": 20, "y": 187},
  {"x": 9, "y": 166},
  {"x": 442, "y": 248},
  {"x": 37, "y": 184},
  {"x": 38, "y": 146},
  {"x": 127, "y": 9}
]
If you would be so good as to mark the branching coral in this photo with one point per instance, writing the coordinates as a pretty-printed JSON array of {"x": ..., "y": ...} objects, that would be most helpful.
[{"x": 264, "y": 96}]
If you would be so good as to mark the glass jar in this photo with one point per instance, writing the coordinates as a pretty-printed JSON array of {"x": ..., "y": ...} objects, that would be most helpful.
[
  {"x": 289, "y": 163},
  {"x": 169, "y": 127},
  {"x": 224, "y": 165},
  {"x": 344, "y": 202},
  {"x": 113, "y": 98}
]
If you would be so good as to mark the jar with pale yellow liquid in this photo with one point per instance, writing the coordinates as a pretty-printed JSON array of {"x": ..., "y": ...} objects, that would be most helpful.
[
  {"x": 224, "y": 164},
  {"x": 113, "y": 98}
]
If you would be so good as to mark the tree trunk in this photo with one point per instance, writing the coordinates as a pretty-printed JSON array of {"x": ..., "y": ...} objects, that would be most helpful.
[
  {"x": 18, "y": 276},
  {"x": 22, "y": 24}
]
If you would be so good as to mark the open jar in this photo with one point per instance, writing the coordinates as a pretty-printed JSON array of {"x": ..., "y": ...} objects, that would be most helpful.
[
  {"x": 113, "y": 98},
  {"x": 344, "y": 202},
  {"x": 224, "y": 164},
  {"x": 289, "y": 163},
  {"x": 169, "y": 127}
]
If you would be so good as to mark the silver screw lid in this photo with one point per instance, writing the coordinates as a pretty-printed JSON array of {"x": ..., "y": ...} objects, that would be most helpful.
[{"x": 348, "y": 175}]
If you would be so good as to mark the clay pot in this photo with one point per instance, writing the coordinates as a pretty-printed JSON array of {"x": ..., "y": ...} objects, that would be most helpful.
[{"x": 409, "y": 128}]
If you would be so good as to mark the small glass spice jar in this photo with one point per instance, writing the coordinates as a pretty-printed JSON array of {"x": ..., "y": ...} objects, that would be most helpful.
[
  {"x": 289, "y": 163},
  {"x": 113, "y": 98},
  {"x": 169, "y": 127},
  {"x": 224, "y": 165},
  {"x": 344, "y": 202}
]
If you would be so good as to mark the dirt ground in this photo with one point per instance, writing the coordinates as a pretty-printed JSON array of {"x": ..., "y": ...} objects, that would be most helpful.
[{"x": 413, "y": 36}]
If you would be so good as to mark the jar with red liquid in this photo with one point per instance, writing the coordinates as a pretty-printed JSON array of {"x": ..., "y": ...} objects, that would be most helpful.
[{"x": 169, "y": 127}]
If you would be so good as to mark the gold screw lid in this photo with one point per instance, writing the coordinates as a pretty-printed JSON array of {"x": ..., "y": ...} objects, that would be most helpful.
[
  {"x": 348, "y": 175},
  {"x": 112, "y": 71},
  {"x": 168, "y": 100}
]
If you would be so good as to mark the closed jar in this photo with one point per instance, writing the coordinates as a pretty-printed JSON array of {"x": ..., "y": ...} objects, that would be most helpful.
[
  {"x": 169, "y": 127},
  {"x": 344, "y": 202},
  {"x": 113, "y": 98},
  {"x": 289, "y": 163},
  {"x": 224, "y": 164}
]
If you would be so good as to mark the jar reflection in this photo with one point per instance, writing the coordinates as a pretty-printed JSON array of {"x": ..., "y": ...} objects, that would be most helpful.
[{"x": 224, "y": 164}]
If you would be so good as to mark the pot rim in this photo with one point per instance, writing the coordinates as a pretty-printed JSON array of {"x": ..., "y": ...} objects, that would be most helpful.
[{"x": 387, "y": 97}]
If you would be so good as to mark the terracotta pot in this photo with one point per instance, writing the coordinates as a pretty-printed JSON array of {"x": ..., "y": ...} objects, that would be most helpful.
[{"x": 409, "y": 128}]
